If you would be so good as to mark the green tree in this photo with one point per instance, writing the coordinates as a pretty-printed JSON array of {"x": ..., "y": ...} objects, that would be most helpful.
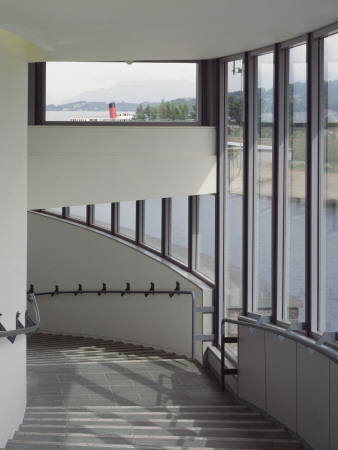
[
  {"x": 147, "y": 112},
  {"x": 162, "y": 110},
  {"x": 140, "y": 113},
  {"x": 154, "y": 113}
]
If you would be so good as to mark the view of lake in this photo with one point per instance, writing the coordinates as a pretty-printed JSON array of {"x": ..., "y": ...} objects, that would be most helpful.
[{"x": 66, "y": 116}]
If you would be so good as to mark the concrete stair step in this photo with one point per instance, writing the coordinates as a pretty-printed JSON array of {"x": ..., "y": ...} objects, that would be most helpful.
[
  {"x": 87, "y": 352},
  {"x": 117, "y": 356},
  {"x": 74, "y": 351},
  {"x": 149, "y": 443},
  {"x": 78, "y": 446},
  {"x": 134, "y": 417},
  {"x": 149, "y": 413},
  {"x": 157, "y": 423},
  {"x": 235, "y": 407},
  {"x": 98, "y": 350},
  {"x": 207, "y": 430},
  {"x": 103, "y": 359},
  {"x": 105, "y": 354}
]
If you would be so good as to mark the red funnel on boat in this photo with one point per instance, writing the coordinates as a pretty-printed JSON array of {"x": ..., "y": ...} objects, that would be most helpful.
[{"x": 112, "y": 110}]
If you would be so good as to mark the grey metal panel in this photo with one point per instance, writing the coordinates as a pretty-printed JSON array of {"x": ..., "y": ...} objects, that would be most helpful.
[
  {"x": 333, "y": 406},
  {"x": 313, "y": 397},
  {"x": 251, "y": 354},
  {"x": 281, "y": 370}
]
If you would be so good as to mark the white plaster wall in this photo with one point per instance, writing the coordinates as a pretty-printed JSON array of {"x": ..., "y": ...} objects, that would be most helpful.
[
  {"x": 13, "y": 203},
  {"x": 76, "y": 165},
  {"x": 67, "y": 254}
]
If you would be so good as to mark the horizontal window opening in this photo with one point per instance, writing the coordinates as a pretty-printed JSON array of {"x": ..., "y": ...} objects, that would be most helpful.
[{"x": 120, "y": 92}]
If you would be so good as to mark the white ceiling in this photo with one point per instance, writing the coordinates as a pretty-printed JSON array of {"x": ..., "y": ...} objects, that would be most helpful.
[{"x": 120, "y": 30}]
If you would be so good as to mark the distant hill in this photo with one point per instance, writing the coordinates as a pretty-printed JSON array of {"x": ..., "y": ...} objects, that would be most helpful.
[
  {"x": 139, "y": 92},
  {"x": 120, "y": 106},
  {"x": 91, "y": 106}
]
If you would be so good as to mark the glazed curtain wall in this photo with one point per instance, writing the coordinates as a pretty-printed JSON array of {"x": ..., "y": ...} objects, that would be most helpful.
[
  {"x": 279, "y": 197},
  {"x": 180, "y": 229}
]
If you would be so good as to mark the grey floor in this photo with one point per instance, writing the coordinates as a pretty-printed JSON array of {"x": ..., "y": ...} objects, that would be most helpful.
[{"x": 85, "y": 393}]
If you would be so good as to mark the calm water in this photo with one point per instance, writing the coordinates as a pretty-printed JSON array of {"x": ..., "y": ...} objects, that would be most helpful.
[{"x": 66, "y": 116}]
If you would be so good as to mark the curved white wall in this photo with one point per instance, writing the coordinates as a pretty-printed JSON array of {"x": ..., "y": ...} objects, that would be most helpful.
[
  {"x": 77, "y": 165},
  {"x": 67, "y": 254}
]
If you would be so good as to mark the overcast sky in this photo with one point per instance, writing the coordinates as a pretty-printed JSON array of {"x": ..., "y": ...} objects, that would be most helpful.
[{"x": 65, "y": 80}]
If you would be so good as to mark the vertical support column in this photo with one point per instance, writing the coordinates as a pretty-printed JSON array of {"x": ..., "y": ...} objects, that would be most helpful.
[
  {"x": 193, "y": 232},
  {"x": 90, "y": 214},
  {"x": 166, "y": 213},
  {"x": 220, "y": 204},
  {"x": 211, "y": 116},
  {"x": 139, "y": 230},
  {"x": 312, "y": 187},
  {"x": 115, "y": 213},
  {"x": 248, "y": 158},
  {"x": 278, "y": 184}
]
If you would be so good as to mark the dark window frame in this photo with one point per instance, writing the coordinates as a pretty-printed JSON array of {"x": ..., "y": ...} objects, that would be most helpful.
[
  {"x": 37, "y": 100},
  {"x": 314, "y": 43}
]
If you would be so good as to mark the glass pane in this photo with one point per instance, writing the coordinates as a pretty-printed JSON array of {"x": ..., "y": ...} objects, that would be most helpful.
[
  {"x": 329, "y": 235},
  {"x": 294, "y": 294},
  {"x": 127, "y": 219},
  {"x": 263, "y": 184},
  {"x": 206, "y": 236},
  {"x": 102, "y": 215},
  {"x": 153, "y": 223},
  {"x": 234, "y": 196},
  {"x": 178, "y": 242},
  {"x": 55, "y": 210},
  {"x": 120, "y": 92},
  {"x": 78, "y": 212}
]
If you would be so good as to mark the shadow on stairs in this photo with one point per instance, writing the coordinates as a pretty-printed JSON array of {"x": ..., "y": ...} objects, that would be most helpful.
[{"x": 86, "y": 393}]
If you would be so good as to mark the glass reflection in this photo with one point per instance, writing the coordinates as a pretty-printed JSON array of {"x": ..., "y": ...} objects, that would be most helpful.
[
  {"x": 55, "y": 210},
  {"x": 153, "y": 223},
  {"x": 102, "y": 215},
  {"x": 263, "y": 183},
  {"x": 78, "y": 212},
  {"x": 206, "y": 236},
  {"x": 178, "y": 240},
  {"x": 234, "y": 195},
  {"x": 294, "y": 283},
  {"x": 328, "y": 314},
  {"x": 127, "y": 219}
]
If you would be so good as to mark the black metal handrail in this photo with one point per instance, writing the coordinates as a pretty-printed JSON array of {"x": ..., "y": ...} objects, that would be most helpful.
[
  {"x": 289, "y": 333},
  {"x": 146, "y": 293},
  {"x": 29, "y": 327}
]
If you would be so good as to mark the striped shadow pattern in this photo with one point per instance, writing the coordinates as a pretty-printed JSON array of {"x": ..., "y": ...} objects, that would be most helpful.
[{"x": 86, "y": 393}]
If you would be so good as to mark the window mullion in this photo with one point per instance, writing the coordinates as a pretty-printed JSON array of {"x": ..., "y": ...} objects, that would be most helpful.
[
  {"x": 312, "y": 188},
  {"x": 278, "y": 184},
  {"x": 248, "y": 159},
  {"x": 193, "y": 231}
]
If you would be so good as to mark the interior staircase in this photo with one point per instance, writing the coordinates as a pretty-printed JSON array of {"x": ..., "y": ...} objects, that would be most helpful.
[{"x": 86, "y": 393}]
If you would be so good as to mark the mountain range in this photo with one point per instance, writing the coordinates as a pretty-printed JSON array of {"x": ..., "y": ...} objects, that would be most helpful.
[{"x": 139, "y": 92}]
